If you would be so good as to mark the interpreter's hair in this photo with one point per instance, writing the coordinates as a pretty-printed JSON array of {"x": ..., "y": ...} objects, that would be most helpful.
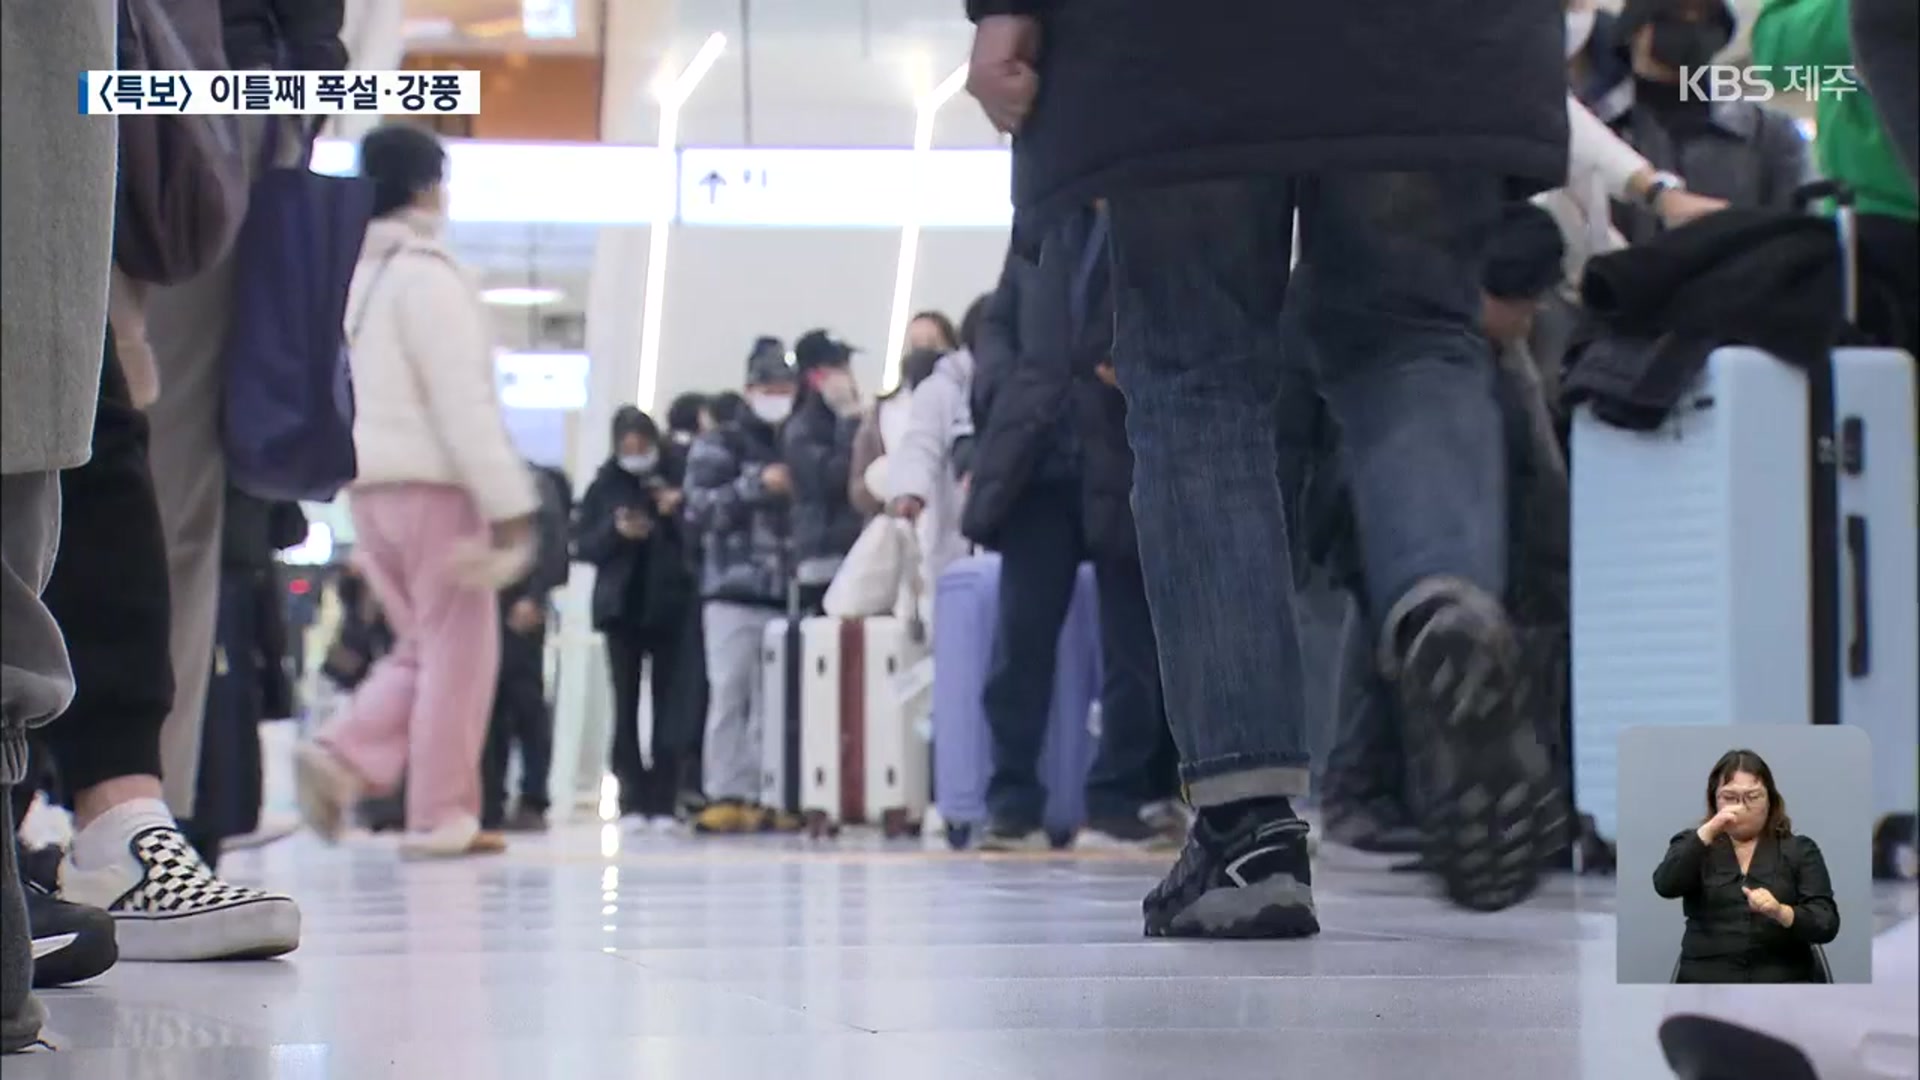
[{"x": 1746, "y": 761}]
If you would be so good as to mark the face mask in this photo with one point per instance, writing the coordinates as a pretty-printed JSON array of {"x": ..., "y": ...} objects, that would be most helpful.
[
  {"x": 772, "y": 408},
  {"x": 640, "y": 463},
  {"x": 1579, "y": 30},
  {"x": 838, "y": 390},
  {"x": 1684, "y": 44}
]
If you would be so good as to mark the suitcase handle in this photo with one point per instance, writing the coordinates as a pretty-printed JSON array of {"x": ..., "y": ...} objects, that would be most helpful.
[
  {"x": 1859, "y": 647},
  {"x": 1804, "y": 197}
]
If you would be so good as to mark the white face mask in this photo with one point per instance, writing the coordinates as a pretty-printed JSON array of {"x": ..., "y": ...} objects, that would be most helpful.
[
  {"x": 772, "y": 408},
  {"x": 640, "y": 463},
  {"x": 1579, "y": 30}
]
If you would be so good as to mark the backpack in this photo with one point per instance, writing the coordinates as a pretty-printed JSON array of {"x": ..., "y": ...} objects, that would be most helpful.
[
  {"x": 288, "y": 408},
  {"x": 554, "y": 563},
  {"x": 183, "y": 179}
]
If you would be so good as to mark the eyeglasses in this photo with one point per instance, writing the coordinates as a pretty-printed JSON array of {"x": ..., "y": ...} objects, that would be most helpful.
[{"x": 1735, "y": 798}]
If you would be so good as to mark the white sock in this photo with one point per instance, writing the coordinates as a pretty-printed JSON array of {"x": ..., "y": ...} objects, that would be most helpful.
[{"x": 104, "y": 841}]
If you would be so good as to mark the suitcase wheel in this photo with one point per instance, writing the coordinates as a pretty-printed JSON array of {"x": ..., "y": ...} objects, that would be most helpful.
[
  {"x": 819, "y": 826},
  {"x": 896, "y": 825},
  {"x": 959, "y": 836},
  {"x": 1061, "y": 839}
]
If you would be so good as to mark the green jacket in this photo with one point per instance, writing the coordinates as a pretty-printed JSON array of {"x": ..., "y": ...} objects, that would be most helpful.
[{"x": 1850, "y": 146}]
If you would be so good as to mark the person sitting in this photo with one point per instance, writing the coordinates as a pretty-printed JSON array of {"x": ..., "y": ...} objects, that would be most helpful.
[
  {"x": 1749, "y": 154},
  {"x": 1745, "y": 860}
]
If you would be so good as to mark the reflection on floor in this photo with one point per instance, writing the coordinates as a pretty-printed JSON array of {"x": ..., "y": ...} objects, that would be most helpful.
[{"x": 590, "y": 956}]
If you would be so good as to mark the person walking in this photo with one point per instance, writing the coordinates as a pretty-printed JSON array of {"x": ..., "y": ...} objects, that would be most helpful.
[
  {"x": 56, "y": 236},
  {"x": 1201, "y": 167},
  {"x": 443, "y": 510}
]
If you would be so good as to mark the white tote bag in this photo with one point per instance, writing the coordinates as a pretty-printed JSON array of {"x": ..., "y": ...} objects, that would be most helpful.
[{"x": 869, "y": 579}]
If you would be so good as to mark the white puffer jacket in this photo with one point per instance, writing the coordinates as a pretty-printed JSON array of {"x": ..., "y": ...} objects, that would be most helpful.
[{"x": 426, "y": 398}]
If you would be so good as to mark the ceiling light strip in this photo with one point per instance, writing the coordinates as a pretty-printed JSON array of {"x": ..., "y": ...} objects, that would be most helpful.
[
  {"x": 927, "y": 112},
  {"x": 653, "y": 303}
]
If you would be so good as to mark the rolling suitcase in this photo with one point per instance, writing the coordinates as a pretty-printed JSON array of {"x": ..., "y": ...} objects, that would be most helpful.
[
  {"x": 862, "y": 761},
  {"x": 1753, "y": 561},
  {"x": 965, "y": 605},
  {"x": 965, "y": 613},
  {"x": 781, "y": 649}
]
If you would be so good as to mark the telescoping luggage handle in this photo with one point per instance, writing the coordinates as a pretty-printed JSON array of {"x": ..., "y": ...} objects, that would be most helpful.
[
  {"x": 1844, "y": 228},
  {"x": 1833, "y": 541}
]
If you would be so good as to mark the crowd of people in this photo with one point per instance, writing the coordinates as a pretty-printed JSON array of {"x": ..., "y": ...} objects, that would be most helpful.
[{"x": 1225, "y": 351}]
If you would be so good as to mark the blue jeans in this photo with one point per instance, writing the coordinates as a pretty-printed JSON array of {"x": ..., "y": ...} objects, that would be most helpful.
[{"x": 1381, "y": 315}]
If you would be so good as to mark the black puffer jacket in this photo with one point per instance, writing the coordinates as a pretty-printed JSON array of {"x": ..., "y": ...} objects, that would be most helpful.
[
  {"x": 817, "y": 446},
  {"x": 741, "y": 527},
  {"x": 1135, "y": 93},
  {"x": 1024, "y": 364},
  {"x": 641, "y": 586}
]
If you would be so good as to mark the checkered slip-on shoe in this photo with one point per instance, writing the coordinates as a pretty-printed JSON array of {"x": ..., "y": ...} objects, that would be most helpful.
[{"x": 168, "y": 905}]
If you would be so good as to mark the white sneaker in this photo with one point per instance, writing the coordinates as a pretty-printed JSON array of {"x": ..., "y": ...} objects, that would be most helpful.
[
  {"x": 1844, "y": 1032},
  {"x": 662, "y": 825},
  {"x": 328, "y": 790},
  {"x": 167, "y": 904}
]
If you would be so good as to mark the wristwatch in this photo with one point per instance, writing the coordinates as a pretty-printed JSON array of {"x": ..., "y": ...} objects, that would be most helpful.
[{"x": 1659, "y": 184}]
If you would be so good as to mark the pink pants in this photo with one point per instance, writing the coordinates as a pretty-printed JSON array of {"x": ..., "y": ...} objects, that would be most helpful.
[{"x": 423, "y": 710}]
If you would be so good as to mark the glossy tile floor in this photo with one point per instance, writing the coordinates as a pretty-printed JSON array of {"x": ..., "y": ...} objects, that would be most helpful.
[{"x": 586, "y": 955}]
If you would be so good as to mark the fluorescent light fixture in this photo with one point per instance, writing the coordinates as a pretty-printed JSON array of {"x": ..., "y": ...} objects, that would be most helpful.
[
  {"x": 654, "y": 300},
  {"x": 521, "y": 296},
  {"x": 927, "y": 113}
]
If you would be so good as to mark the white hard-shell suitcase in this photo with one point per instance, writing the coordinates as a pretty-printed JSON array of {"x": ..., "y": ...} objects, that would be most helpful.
[
  {"x": 1704, "y": 593},
  {"x": 779, "y": 750},
  {"x": 896, "y": 766}
]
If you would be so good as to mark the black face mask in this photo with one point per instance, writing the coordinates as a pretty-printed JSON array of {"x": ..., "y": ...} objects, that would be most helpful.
[{"x": 1686, "y": 44}]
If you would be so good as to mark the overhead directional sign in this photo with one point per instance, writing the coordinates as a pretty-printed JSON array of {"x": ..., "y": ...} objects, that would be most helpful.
[
  {"x": 851, "y": 188},
  {"x": 604, "y": 184}
]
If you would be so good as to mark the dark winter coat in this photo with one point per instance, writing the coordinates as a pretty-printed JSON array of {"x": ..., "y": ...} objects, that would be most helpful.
[
  {"x": 553, "y": 562},
  {"x": 640, "y": 586},
  {"x": 1138, "y": 93},
  {"x": 742, "y": 528},
  {"x": 300, "y": 35},
  {"x": 1024, "y": 364},
  {"x": 817, "y": 446}
]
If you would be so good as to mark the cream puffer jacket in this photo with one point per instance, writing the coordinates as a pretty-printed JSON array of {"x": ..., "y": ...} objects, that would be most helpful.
[{"x": 427, "y": 401}]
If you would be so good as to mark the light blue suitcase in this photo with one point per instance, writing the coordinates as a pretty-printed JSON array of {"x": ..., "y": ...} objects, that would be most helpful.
[{"x": 966, "y": 609}]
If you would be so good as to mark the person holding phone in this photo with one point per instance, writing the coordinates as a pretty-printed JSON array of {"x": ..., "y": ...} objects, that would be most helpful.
[
  {"x": 1758, "y": 897},
  {"x": 628, "y": 527}
]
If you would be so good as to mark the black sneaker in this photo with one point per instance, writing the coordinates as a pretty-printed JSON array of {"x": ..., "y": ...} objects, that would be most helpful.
[
  {"x": 1491, "y": 810},
  {"x": 1252, "y": 881},
  {"x": 71, "y": 942},
  {"x": 1002, "y": 836}
]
